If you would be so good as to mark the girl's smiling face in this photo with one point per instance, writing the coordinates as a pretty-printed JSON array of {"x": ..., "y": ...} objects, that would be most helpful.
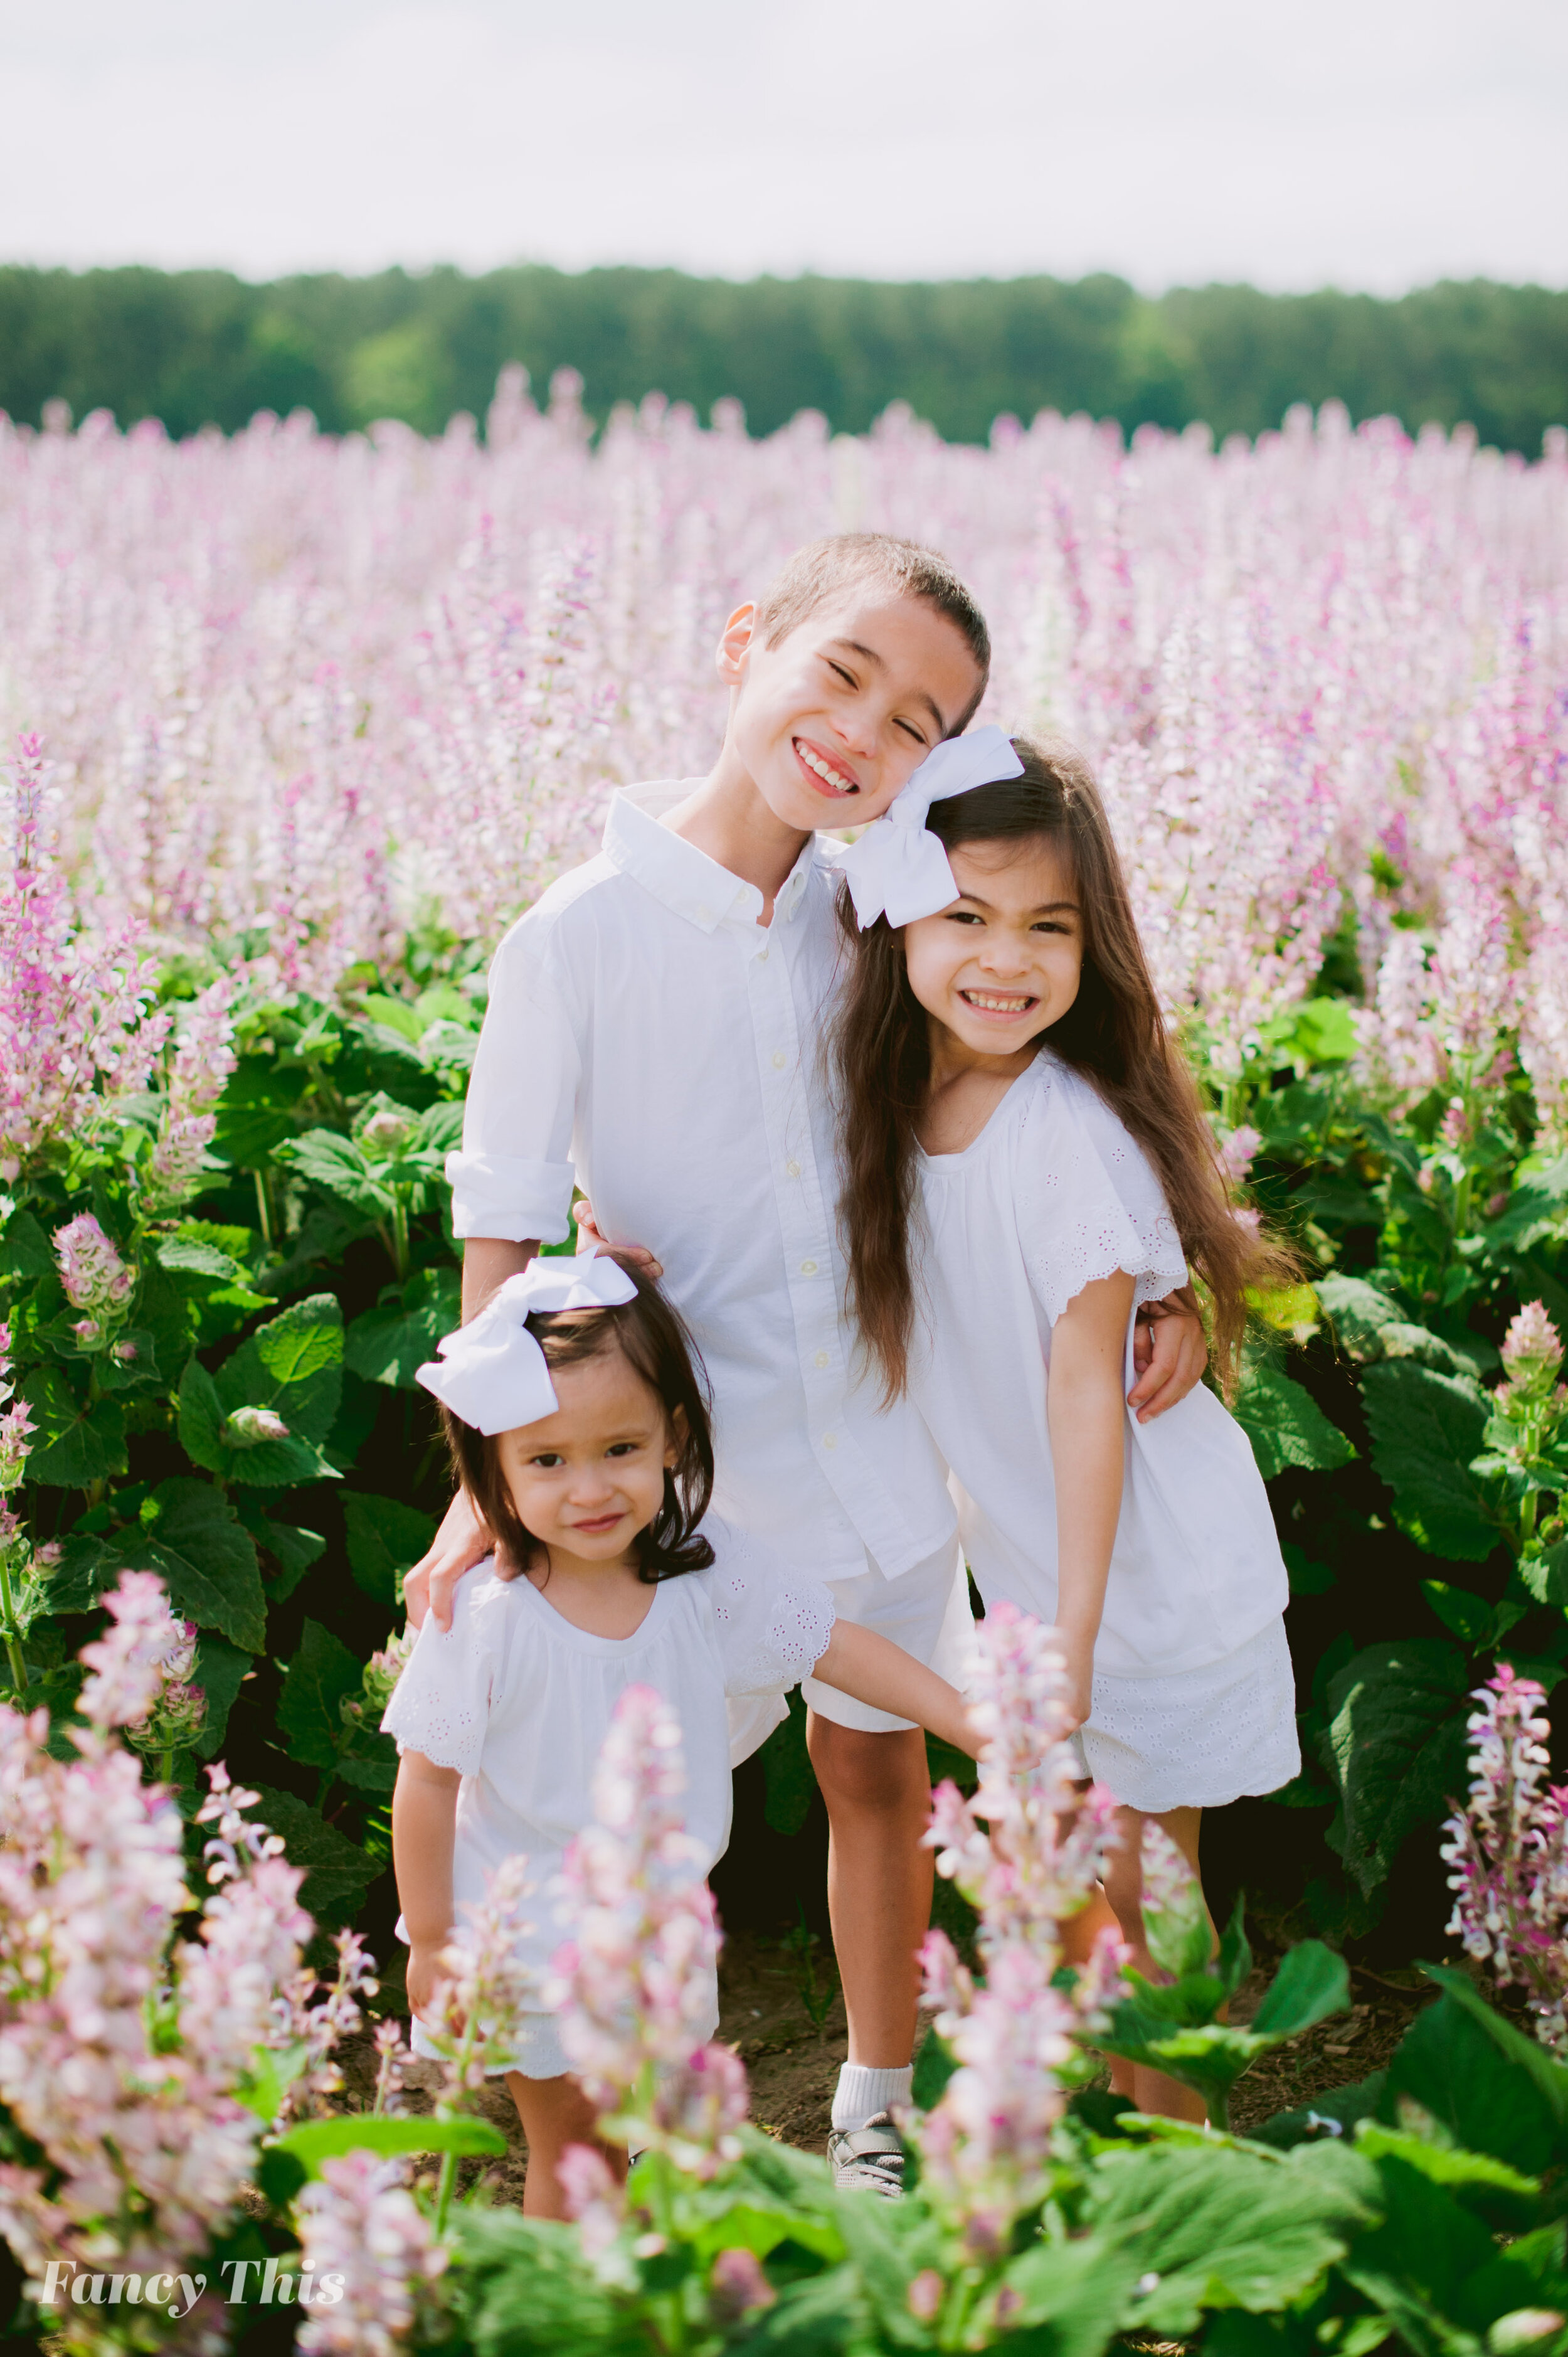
[
  {"x": 586, "y": 1480},
  {"x": 1004, "y": 961}
]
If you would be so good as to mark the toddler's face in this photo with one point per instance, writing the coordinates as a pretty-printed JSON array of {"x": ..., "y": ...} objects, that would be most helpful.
[
  {"x": 832, "y": 720},
  {"x": 586, "y": 1480},
  {"x": 1004, "y": 961}
]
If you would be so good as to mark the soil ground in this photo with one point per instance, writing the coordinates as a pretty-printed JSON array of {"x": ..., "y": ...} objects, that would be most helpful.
[{"x": 792, "y": 2063}]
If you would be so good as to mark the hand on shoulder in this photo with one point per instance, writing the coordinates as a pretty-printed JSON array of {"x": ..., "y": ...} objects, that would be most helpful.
[{"x": 463, "y": 1540}]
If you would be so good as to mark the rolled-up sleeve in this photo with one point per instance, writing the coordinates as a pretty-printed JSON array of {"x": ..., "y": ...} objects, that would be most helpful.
[{"x": 513, "y": 1176}]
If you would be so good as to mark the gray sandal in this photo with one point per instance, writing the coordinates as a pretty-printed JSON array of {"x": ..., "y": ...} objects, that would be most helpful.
[{"x": 869, "y": 2159}]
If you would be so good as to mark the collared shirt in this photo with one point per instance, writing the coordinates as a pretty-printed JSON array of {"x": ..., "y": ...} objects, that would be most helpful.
[{"x": 649, "y": 1039}]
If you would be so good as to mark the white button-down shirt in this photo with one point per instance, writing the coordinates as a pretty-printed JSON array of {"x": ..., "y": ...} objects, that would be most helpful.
[{"x": 649, "y": 1039}]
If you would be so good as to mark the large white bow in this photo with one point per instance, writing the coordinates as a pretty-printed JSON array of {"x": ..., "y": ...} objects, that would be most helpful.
[
  {"x": 898, "y": 868},
  {"x": 492, "y": 1372}
]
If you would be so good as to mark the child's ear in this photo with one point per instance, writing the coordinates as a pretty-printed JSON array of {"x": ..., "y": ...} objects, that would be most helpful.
[
  {"x": 678, "y": 1436},
  {"x": 736, "y": 644}
]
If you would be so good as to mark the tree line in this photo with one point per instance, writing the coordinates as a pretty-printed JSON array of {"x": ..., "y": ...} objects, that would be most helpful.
[{"x": 202, "y": 346}]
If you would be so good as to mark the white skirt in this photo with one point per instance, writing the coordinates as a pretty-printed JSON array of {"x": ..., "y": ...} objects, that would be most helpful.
[{"x": 1200, "y": 1738}]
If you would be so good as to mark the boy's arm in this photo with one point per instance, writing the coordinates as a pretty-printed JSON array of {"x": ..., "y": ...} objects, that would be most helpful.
[
  {"x": 424, "y": 1818},
  {"x": 464, "y": 1539},
  {"x": 1085, "y": 1411},
  {"x": 876, "y": 1670},
  {"x": 1169, "y": 1354}
]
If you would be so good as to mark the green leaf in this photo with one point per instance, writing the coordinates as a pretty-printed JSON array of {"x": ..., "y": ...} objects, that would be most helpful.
[
  {"x": 386, "y": 1539},
  {"x": 25, "y": 1252},
  {"x": 397, "y": 1014},
  {"x": 934, "y": 2066},
  {"x": 1332, "y": 2113},
  {"x": 293, "y": 1364},
  {"x": 1068, "y": 2297},
  {"x": 386, "y": 1344},
  {"x": 1227, "y": 2228},
  {"x": 265, "y": 2086},
  {"x": 1445, "y": 2164},
  {"x": 1414, "y": 2264},
  {"x": 1468, "y": 1616},
  {"x": 76, "y": 1444},
  {"x": 524, "y": 2290},
  {"x": 1359, "y": 1314},
  {"x": 321, "y": 1674},
  {"x": 790, "y": 1778},
  {"x": 293, "y": 1549},
  {"x": 207, "y": 1561},
  {"x": 1307, "y": 1577},
  {"x": 201, "y": 1419},
  {"x": 314, "y": 2141},
  {"x": 1448, "y": 2065},
  {"x": 1286, "y": 1427},
  {"x": 195, "y": 1258},
  {"x": 1311, "y": 1984},
  {"x": 337, "y": 1873},
  {"x": 1427, "y": 1428},
  {"x": 336, "y": 1164},
  {"x": 1394, "y": 1745},
  {"x": 221, "y": 1671},
  {"x": 258, "y": 1111},
  {"x": 1546, "y": 1576}
]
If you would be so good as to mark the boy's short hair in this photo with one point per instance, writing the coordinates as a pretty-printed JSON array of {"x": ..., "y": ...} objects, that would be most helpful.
[{"x": 850, "y": 560}]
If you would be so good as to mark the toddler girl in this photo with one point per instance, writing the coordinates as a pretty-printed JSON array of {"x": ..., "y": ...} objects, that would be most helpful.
[
  {"x": 1025, "y": 1164},
  {"x": 579, "y": 1427}
]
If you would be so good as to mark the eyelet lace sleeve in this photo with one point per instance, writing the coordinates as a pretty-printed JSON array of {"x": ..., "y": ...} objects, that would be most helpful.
[
  {"x": 1088, "y": 1201},
  {"x": 441, "y": 1703},
  {"x": 773, "y": 1627}
]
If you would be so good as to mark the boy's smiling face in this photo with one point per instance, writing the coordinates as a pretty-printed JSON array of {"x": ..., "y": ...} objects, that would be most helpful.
[{"x": 830, "y": 722}]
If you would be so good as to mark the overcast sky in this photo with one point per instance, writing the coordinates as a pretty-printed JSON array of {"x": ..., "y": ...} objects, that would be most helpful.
[{"x": 1379, "y": 144}]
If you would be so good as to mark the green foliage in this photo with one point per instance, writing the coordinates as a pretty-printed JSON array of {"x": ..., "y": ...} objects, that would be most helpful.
[
  {"x": 314, "y": 2141},
  {"x": 199, "y": 347},
  {"x": 1286, "y": 1427},
  {"x": 1394, "y": 1747}
]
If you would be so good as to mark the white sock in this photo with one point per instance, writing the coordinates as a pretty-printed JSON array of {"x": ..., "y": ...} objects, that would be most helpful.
[{"x": 862, "y": 2093}]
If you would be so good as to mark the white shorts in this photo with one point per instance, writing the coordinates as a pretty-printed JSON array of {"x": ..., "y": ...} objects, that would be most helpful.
[
  {"x": 537, "y": 2051},
  {"x": 925, "y": 1610}
]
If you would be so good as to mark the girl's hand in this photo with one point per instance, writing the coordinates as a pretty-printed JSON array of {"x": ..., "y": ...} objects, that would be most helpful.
[
  {"x": 1169, "y": 1355},
  {"x": 463, "y": 1540},
  {"x": 590, "y": 1240},
  {"x": 423, "y": 1977}
]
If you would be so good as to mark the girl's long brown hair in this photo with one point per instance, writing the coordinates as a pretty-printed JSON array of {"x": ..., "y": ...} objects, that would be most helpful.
[{"x": 1113, "y": 1033}]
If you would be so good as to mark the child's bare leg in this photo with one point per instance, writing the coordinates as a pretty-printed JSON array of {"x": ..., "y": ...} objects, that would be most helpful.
[
  {"x": 555, "y": 2113},
  {"x": 1152, "y": 2091},
  {"x": 878, "y": 1795}
]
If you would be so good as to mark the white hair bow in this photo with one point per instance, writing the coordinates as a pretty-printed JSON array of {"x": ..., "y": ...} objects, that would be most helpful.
[
  {"x": 898, "y": 868},
  {"x": 492, "y": 1372}
]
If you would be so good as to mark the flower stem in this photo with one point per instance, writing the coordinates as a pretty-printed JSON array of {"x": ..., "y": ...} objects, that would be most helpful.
[{"x": 13, "y": 1640}]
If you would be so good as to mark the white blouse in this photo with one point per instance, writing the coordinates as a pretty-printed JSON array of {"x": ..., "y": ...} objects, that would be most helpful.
[
  {"x": 1053, "y": 1194},
  {"x": 518, "y": 1701}
]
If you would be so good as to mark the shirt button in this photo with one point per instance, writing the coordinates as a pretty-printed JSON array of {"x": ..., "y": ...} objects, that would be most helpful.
[
  {"x": 762, "y": 957},
  {"x": 821, "y": 1357},
  {"x": 704, "y": 911},
  {"x": 807, "y": 1268},
  {"x": 830, "y": 1440},
  {"x": 778, "y": 1059},
  {"x": 793, "y": 1169}
]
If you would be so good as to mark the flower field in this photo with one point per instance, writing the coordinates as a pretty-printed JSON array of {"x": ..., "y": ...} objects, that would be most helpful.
[{"x": 297, "y": 726}]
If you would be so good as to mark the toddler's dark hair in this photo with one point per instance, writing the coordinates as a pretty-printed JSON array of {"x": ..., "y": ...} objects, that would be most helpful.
[
  {"x": 821, "y": 571},
  {"x": 656, "y": 1346}
]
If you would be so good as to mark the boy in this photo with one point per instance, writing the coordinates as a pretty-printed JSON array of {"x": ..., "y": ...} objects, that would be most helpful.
[{"x": 653, "y": 1037}]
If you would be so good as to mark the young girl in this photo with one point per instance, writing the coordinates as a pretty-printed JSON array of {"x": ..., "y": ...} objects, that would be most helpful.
[
  {"x": 579, "y": 1427},
  {"x": 1025, "y": 1164}
]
